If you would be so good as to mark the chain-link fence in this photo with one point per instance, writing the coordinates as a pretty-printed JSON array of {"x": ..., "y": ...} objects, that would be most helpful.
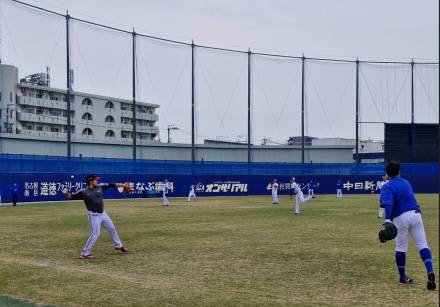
[{"x": 159, "y": 90}]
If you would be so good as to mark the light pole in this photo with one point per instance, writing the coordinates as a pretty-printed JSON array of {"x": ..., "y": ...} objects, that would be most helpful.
[{"x": 171, "y": 127}]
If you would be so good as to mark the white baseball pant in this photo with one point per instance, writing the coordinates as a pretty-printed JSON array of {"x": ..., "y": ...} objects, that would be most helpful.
[
  {"x": 274, "y": 197},
  {"x": 95, "y": 222},
  {"x": 299, "y": 199},
  {"x": 191, "y": 194},
  {"x": 410, "y": 222},
  {"x": 339, "y": 193},
  {"x": 165, "y": 200}
]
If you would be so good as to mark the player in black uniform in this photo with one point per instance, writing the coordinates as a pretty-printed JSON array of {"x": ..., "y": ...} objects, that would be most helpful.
[{"x": 92, "y": 196}]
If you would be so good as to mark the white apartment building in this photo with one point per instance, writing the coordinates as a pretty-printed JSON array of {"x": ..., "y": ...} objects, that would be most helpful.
[{"x": 36, "y": 110}]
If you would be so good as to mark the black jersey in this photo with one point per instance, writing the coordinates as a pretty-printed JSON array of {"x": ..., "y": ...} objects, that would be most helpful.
[{"x": 93, "y": 197}]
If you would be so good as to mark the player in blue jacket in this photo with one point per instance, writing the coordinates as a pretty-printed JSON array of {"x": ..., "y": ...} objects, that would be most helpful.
[
  {"x": 15, "y": 193},
  {"x": 402, "y": 209},
  {"x": 339, "y": 189}
]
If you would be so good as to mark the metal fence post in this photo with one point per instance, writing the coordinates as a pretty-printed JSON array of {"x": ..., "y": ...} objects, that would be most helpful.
[
  {"x": 303, "y": 60},
  {"x": 134, "y": 92},
  {"x": 412, "y": 91},
  {"x": 69, "y": 88},
  {"x": 357, "y": 111},
  {"x": 193, "y": 138},
  {"x": 249, "y": 157}
]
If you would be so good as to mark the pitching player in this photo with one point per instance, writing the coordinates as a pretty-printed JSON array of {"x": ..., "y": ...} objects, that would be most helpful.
[
  {"x": 192, "y": 192},
  {"x": 339, "y": 189},
  {"x": 165, "y": 188},
  {"x": 92, "y": 196},
  {"x": 381, "y": 213},
  {"x": 275, "y": 192},
  {"x": 402, "y": 210},
  {"x": 299, "y": 196}
]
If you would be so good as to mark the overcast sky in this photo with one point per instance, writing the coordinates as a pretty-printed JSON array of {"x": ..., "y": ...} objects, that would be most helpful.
[{"x": 375, "y": 29}]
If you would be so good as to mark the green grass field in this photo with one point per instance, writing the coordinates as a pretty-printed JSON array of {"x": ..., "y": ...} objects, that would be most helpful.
[{"x": 238, "y": 251}]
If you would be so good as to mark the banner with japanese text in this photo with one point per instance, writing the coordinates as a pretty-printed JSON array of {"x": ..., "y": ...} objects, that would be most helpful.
[{"x": 48, "y": 186}]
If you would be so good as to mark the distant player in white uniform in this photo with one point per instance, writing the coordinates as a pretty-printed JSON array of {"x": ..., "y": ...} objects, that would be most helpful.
[
  {"x": 275, "y": 192},
  {"x": 339, "y": 189},
  {"x": 402, "y": 209},
  {"x": 192, "y": 192},
  {"x": 165, "y": 188},
  {"x": 381, "y": 213},
  {"x": 299, "y": 196}
]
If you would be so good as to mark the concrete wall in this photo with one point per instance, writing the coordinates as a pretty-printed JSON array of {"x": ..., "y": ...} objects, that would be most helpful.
[{"x": 159, "y": 151}]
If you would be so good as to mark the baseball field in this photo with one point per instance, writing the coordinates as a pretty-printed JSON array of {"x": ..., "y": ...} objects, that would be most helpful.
[{"x": 237, "y": 251}]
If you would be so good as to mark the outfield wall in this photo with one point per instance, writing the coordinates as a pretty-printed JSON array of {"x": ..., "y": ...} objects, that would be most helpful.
[{"x": 42, "y": 179}]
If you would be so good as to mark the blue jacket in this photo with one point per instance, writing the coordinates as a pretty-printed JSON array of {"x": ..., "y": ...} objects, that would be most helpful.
[{"x": 398, "y": 197}]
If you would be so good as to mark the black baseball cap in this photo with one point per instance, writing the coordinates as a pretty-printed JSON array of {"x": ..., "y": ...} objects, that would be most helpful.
[{"x": 92, "y": 177}]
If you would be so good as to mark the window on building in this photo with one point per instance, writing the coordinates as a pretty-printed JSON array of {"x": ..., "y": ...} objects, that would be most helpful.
[
  {"x": 125, "y": 121},
  {"x": 54, "y": 129},
  {"x": 39, "y": 128},
  {"x": 109, "y": 134},
  {"x": 109, "y": 105},
  {"x": 10, "y": 96},
  {"x": 87, "y": 132},
  {"x": 87, "y": 102},
  {"x": 87, "y": 116},
  {"x": 125, "y": 134},
  {"x": 109, "y": 119}
]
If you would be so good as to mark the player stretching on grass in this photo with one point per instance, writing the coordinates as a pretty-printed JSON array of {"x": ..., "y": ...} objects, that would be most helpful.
[
  {"x": 275, "y": 192},
  {"x": 192, "y": 192},
  {"x": 299, "y": 197},
  {"x": 165, "y": 189},
  {"x": 92, "y": 196},
  {"x": 401, "y": 208}
]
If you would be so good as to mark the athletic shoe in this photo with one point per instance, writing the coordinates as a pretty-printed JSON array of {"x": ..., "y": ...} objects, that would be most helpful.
[
  {"x": 431, "y": 281},
  {"x": 123, "y": 249},
  {"x": 87, "y": 257},
  {"x": 407, "y": 280}
]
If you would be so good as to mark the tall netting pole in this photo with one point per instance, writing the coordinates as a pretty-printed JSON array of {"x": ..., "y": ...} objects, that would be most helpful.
[
  {"x": 357, "y": 110},
  {"x": 303, "y": 61},
  {"x": 134, "y": 92},
  {"x": 412, "y": 91},
  {"x": 69, "y": 86},
  {"x": 249, "y": 109},
  {"x": 413, "y": 127},
  {"x": 193, "y": 138}
]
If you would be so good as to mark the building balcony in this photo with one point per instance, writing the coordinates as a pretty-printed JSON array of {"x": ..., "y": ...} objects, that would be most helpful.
[
  {"x": 49, "y": 134},
  {"x": 144, "y": 116},
  {"x": 141, "y": 129},
  {"x": 41, "y": 118},
  {"x": 41, "y": 102}
]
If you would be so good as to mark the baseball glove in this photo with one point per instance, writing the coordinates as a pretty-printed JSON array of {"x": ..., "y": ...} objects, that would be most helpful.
[{"x": 388, "y": 232}]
